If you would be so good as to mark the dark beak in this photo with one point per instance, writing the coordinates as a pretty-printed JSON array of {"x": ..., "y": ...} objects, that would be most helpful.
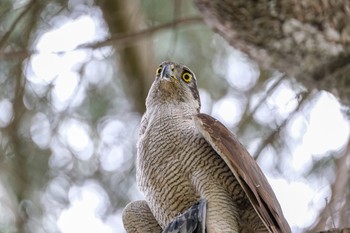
[{"x": 167, "y": 72}]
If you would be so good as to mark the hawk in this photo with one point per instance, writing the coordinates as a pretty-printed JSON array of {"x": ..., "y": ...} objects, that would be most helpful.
[{"x": 194, "y": 173}]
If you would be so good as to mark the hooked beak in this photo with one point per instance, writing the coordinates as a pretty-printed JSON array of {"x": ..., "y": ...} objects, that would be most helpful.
[{"x": 167, "y": 73}]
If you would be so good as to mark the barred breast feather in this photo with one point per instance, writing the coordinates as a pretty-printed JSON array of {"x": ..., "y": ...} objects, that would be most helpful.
[{"x": 176, "y": 167}]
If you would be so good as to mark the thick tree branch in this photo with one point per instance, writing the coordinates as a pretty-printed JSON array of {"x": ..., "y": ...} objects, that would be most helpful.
[{"x": 304, "y": 39}]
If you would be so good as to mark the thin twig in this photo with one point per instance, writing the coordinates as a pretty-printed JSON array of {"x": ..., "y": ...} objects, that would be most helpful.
[
  {"x": 268, "y": 93},
  {"x": 132, "y": 37},
  {"x": 338, "y": 196},
  {"x": 13, "y": 26},
  {"x": 274, "y": 133},
  {"x": 120, "y": 40}
]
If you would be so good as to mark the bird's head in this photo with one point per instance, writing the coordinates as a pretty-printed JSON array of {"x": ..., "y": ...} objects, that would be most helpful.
[{"x": 174, "y": 84}]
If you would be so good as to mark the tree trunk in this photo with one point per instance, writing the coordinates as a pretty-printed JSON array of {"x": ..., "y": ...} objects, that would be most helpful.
[
  {"x": 308, "y": 40},
  {"x": 136, "y": 60}
]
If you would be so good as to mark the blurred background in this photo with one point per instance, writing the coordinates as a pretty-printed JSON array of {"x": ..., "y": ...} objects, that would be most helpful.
[{"x": 74, "y": 76}]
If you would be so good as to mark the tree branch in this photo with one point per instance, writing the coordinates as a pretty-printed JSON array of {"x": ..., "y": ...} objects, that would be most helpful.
[
  {"x": 115, "y": 39},
  {"x": 14, "y": 24},
  {"x": 270, "y": 139}
]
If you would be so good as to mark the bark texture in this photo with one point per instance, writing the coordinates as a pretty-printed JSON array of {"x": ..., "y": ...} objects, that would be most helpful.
[{"x": 309, "y": 40}]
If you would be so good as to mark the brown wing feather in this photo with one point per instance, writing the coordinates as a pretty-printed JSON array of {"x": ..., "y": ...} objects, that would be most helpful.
[{"x": 246, "y": 170}]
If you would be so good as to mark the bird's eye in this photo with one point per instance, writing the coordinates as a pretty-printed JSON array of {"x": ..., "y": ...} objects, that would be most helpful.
[
  {"x": 159, "y": 70},
  {"x": 186, "y": 76}
]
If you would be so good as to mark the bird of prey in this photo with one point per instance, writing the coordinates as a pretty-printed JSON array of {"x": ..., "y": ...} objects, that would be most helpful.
[{"x": 192, "y": 169}]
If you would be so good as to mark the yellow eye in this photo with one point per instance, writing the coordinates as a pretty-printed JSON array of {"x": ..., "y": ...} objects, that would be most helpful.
[
  {"x": 159, "y": 70},
  {"x": 186, "y": 77}
]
